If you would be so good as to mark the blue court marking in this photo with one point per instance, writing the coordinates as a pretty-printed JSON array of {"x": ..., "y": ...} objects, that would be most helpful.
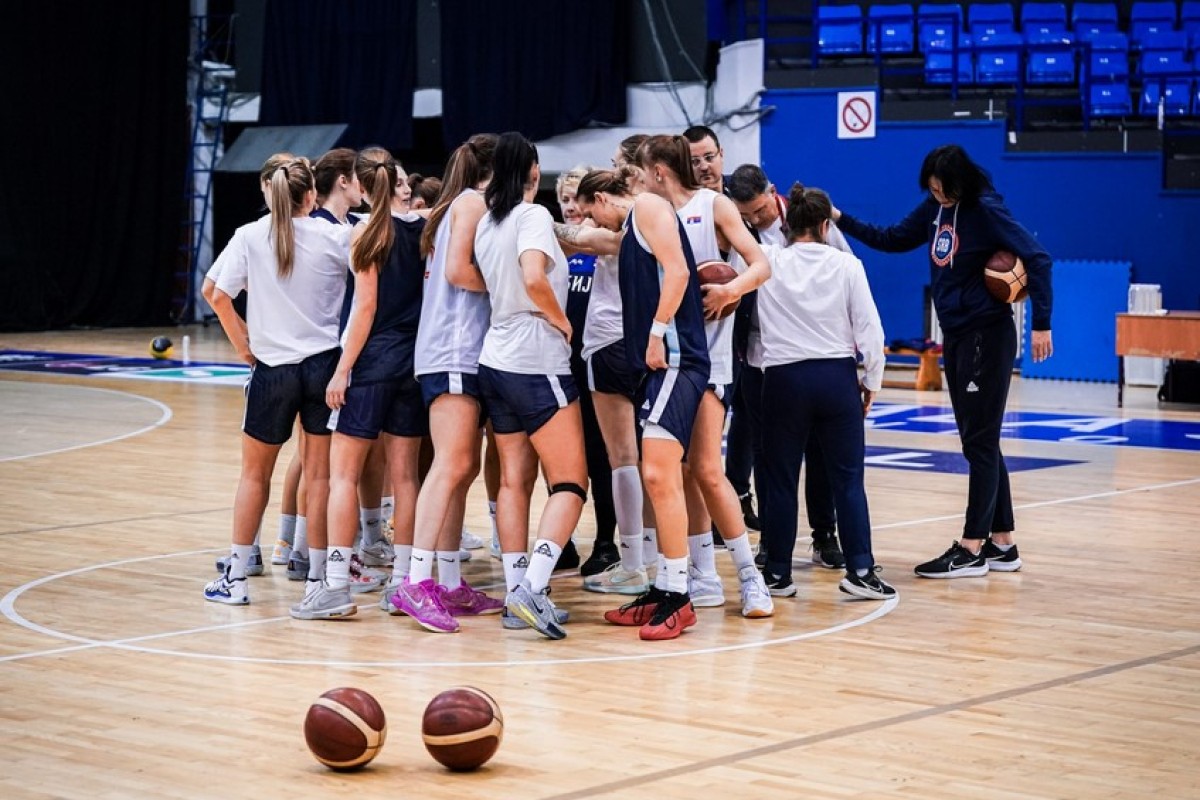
[
  {"x": 160, "y": 369},
  {"x": 1045, "y": 427},
  {"x": 953, "y": 463}
]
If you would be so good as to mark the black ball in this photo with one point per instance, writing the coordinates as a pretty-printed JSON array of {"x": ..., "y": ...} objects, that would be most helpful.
[{"x": 161, "y": 347}]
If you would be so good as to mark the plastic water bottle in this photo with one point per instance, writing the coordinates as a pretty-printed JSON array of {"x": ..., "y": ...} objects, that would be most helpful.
[{"x": 187, "y": 349}]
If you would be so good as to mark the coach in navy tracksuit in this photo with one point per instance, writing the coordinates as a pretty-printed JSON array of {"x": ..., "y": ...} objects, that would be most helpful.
[{"x": 963, "y": 222}]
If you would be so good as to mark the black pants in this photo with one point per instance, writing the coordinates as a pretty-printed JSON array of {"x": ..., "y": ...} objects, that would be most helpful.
[
  {"x": 743, "y": 450},
  {"x": 599, "y": 471},
  {"x": 806, "y": 400},
  {"x": 979, "y": 367}
]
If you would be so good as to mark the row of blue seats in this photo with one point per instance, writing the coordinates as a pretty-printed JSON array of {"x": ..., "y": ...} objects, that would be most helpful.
[{"x": 897, "y": 28}]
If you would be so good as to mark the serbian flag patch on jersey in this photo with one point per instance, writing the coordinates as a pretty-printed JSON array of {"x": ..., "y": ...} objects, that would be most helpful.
[{"x": 694, "y": 220}]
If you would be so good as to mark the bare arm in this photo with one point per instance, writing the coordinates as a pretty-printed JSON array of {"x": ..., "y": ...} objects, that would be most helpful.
[
  {"x": 660, "y": 228},
  {"x": 233, "y": 325},
  {"x": 588, "y": 239},
  {"x": 537, "y": 285},
  {"x": 358, "y": 328},
  {"x": 461, "y": 270}
]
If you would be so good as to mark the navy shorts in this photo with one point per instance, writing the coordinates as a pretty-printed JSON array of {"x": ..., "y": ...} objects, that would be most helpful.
[
  {"x": 436, "y": 384},
  {"x": 671, "y": 399},
  {"x": 724, "y": 393},
  {"x": 275, "y": 395},
  {"x": 608, "y": 371},
  {"x": 519, "y": 403},
  {"x": 394, "y": 407}
]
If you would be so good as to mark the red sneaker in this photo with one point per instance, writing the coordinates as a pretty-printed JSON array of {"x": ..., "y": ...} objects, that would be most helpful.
[
  {"x": 639, "y": 611},
  {"x": 674, "y": 614}
]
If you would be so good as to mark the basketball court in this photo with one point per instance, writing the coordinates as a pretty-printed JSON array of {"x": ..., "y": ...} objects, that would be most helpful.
[{"x": 1076, "y": 677}]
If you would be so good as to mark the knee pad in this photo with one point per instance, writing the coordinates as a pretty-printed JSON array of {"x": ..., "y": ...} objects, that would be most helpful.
[{"x": 573, "y": 488}]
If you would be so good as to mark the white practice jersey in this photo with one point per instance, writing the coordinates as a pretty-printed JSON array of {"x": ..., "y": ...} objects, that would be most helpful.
[
  {"x": 604, "y": 325},
  {"x": 453, "y": 320},
  {"x": 520, "y": 339},
  {"x": 701, "y": 227}
]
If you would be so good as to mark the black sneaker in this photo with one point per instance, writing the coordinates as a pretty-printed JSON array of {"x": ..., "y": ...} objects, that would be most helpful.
[
  {"x": 718, "y": 539},
  {"x": 779, "y": 585},
  {"x": 826, "y": 550},
  {"x": 604, "y": 555},
  {"x": 867, "y": 587},
  {"x": 748, "y": 515},
  {"x": 997, "y": 560},
  {"x": 569, "y": 558},
  {"x": 957, "y": 562},
  {"x": 760, "y": 558}
]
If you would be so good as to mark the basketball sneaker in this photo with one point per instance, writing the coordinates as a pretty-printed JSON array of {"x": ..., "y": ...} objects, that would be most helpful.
[
  {"x": 325, "y": 603},
  {"x": 494, "y": 549},
  {"x": 957, "y": 562},
  {"x": 466, "y": 601},
  {"x": 513, "y": 623},
  {"x": 756, "y": 600},
  {"x": 748, "y": 516},
  {"x": 228, "y": 591},
  {"x": 536, "y": 609},
  {"x": 364, "y": 580},
  {"x": 281, "y": 553},
  {"x": 464, "y": 554},
  {"x": 705, "y": 591},
  {"x": 297, "y": 567},
  {"x": 254, "y": 566},
  {"x": 999, "y": 560},
  {"x": 618, "y": 580},
  {"x": 470, "y": 541},
  {"x": 385, "y": 599},
  {"x": 637, "y": 612},
  {"x": 422, "y": 602},
  {"x": 604, "y": 555},
  {"x": 779, "y": 585},
  {"x": 672, "y": 616},
  {"x": 826, "y": 552},
  {"x": 569, "y": 559},
  {"x": 867, "y": 587},
  {"x": 377, "y": 554}
]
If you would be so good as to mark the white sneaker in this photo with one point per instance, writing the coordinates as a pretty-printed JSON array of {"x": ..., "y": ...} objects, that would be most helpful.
[
  {"x": 756, "y": 600},
  {"x": 470, "y": 541},
  {"x": 706, "y": 591},
  {"x": 325, "y": 603},
  {"x": 228, "y": 591},
  {"x": 377, "y": 554},
  {"x": 464, "y": 554},
  {"x": 364, "y": 580},
  {"x": 495, "y": 548},
  {"x": 281, "y": 553},
  {"x": 385, "y": 600},
  {"x": 254, "y": 565},
  {"x": 616, "y": 580},
  {"x": 297, "y": 567}
]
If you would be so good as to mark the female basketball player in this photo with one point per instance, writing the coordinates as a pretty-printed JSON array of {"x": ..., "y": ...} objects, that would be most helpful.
[
  {"x": 963, "y": 222},
  {"x": 293, "y": 268}
]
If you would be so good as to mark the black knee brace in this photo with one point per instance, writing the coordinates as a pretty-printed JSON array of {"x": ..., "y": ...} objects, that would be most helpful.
[{"x": 573, "y": 488}]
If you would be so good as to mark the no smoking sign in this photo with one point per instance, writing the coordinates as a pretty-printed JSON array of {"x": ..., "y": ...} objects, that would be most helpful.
[{"x": 856, "y": 115}]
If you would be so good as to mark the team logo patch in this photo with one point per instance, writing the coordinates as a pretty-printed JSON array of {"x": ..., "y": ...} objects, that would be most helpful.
[
  {"x": 695, "y": 220},
  {"x": 945, "y": 245}
]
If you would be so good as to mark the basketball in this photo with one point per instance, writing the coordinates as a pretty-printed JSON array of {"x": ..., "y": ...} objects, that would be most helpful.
[
  {"x": 345, "y": 728},
  {"x": 717, "y": 272},
  {"x": 462, "y": 728},
  {"x": 161, "y": 347},
  {"x": 1005, "y": 277}
]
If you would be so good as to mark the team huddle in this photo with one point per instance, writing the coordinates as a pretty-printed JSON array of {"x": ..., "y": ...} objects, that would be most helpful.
[{"x": 458, "y": 320}]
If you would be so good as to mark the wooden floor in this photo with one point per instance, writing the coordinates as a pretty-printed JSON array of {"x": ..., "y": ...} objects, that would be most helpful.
[{"x": 1078, "y": 677}]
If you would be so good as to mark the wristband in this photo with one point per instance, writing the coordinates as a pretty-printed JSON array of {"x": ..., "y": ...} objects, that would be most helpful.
[{"x": 658, "y": 329}]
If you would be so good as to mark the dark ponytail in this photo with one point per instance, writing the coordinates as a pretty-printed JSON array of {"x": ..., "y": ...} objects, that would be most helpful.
[
  {"x": 610, "y": 181},
  {"x": 469, "y": 166},
  {"x": 807, "y": 210},
  {"x": 514, "y": 159}
]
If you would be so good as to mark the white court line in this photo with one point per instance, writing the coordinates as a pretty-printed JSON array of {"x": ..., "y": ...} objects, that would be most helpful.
[{"x": 162, "y": 420}]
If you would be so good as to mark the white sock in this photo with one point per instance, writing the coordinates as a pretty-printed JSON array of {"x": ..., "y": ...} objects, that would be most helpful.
[
  {"x": 239, "y": 557},
  {"x": 372, "y": 524},
  {"x": 515, "y": 565},
  {"x": 740, "y": 550},
  {"x": 337, "y": 567},
  {"x": 627, "y": 502},
  {"x": 257, "y": 533},
  {"x": 387, "y": 506},
  {"x": 449, "y": 569},
  {"x": 649, "y": 545},
  {"x": 660, "y": 573},
  {"x": 402, "y": 562},
  {"x": 676, "y": 574},
  {"x": 1003, "y": 548},
  {"x": 301, "y": 543},
  {"x": 287, "y": 528},
  {"x": 862, "y": 573},
  {"x": 358, "y": 535},
  {"x": 420, "y": 565},
  {"x": 541, "y": 564},
  {"x": 316, "y": 564},
  {"x": 700, "y": 548}
]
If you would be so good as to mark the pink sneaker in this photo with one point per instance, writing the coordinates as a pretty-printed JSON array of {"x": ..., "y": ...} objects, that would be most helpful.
[
  {"x": 422, "y": 602},
  {"x": 468, "y": 602}
]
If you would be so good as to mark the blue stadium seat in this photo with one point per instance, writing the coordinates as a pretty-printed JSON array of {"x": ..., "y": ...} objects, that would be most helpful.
[
  {"x": 839, "y": 30},
  {"x": 1051, "y": 57},
  {"x": 1149, "y": 18},
  {"x": 1108, "y": 57},
  {"x": 1109, "y": 100},
  {"x": 1165, "y": 54},
  {"x": 1045, "y": 17},
  {"x": 998, "y": 58},
  {"x": 893, "y": 22},
  {"x": 1093, "y": 17},
  {"x": 940, "y": 64},
  {"x": 936, "y": 22},
  {"x": 1189, "y": 20},
  {"x": 989, "y": 19},
  {"x": 1176, "y": 98}
]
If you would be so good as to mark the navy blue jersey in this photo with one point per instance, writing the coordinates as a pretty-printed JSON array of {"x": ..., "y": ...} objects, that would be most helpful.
[
  {"x": 388, "y": 352},
  {"x": 640, "y": 279},
  {"x": 582, "y": 269}
]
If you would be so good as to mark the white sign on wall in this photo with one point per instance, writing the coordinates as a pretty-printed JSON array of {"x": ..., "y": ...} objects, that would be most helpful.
[{"x": 856, "y": 115}]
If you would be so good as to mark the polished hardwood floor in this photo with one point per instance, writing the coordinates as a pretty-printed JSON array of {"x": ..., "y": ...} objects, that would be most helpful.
[{"x": 1077, "y": 677}]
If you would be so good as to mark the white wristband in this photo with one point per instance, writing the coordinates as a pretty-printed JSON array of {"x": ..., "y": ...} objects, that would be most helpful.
[{"x": 658, "y": 329}]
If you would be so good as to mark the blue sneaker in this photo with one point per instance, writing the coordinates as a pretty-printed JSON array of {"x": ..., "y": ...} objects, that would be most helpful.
[{"x": 536, "y": 610}]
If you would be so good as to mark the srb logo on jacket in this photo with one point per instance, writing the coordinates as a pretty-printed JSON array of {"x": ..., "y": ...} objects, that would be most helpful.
[{"x": 945, "y": 244}]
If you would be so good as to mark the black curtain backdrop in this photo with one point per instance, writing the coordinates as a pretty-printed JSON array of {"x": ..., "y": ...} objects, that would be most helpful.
[
  {"x": 541, "y": 67},
  {"x": 94, "y": 146},
  {"x": 330, "y": 61}
]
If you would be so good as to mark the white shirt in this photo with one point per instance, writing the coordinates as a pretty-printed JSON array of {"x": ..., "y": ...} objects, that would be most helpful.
[
  {"x": 604, "y": 323},
  {"x": 701, "y": 228},
  {"x": 294, "y": 317},
  {"x": 453, "y": 320},
  {"x": 520, "y": 340},
  {"x": 817, "y": 304}
]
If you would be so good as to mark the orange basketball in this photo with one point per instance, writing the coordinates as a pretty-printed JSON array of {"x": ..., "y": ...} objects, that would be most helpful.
[
  {"x": 717, "y": 272},
  {"x": 462, "y": 728},
  {"x": 1005, "y": 277},
  {"x": 345, "y": 728}
]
